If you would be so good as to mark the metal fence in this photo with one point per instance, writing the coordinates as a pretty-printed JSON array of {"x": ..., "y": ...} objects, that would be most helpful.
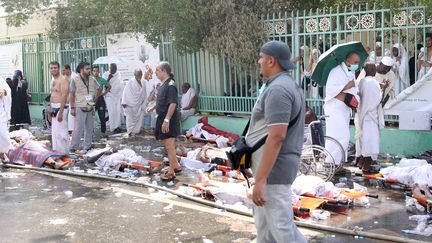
[{"x": 73, "y": 51}]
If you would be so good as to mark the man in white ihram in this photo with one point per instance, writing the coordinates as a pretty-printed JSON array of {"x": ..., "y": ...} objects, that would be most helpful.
[
  {"x": 133, "y": 102},
  {"x": 340, "y": 82},
  {"x": 113, "y": 98},
  {"x": 59, "y": 110}
]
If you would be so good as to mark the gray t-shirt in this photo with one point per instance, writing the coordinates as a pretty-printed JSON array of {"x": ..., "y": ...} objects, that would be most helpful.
[{"x": 280, "y": 103}]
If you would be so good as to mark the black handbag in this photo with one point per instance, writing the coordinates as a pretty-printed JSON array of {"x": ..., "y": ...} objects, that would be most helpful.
[{"x": 240, "y": 154}]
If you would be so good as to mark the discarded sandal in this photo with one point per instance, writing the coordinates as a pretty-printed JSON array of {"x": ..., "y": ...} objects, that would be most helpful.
[
  {"x": 178, "y": 169},
  {"x": 168, "y": 177}
]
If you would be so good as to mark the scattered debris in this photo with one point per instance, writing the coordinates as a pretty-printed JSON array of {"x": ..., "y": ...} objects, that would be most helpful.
[
  {"x": 58, "y": 221},
  {"x": 68, "y": 194}
]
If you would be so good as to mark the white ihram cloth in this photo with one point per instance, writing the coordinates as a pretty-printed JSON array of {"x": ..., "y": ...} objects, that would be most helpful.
[
  {"x": 390, "y": 76},
  {"x": 369, "y": 119},
  {"x": 337, "y": 122},
  {"x": 134, "y": 97},
  {"x": 400, "y": 68},
  {"x": 5, "y": 112},
  {"x": 424, "y": 70},
  {"x": 113, "y": 100},
  {"x": 185, "y": 101},
  {"x": 59, "y": 131},
  {"x": 409, "y": 172}
]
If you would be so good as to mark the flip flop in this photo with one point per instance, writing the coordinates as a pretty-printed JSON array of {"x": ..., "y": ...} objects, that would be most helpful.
[
  {"x": 178, "y": 170},
  {"x": 165, "y": 177}
]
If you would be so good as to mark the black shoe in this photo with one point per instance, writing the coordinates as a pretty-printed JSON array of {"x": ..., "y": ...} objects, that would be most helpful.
[{"x": 117, "y": 130}]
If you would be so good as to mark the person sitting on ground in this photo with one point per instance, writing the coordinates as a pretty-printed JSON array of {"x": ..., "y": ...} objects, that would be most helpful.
[{"x": 188, "y": 101}]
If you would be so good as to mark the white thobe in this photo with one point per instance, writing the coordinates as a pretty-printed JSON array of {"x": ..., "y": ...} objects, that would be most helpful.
[
  {"x": 377, "y": 59},
  {"x": 424, "y": 70},
  {"x": 134, "y": 97},
  {"x": 185, "y": 101},
  {"x": 337, "y": 122},
  {"x": 5, "y": 114},
  {"x": 113, "y": 100},
  {"x": 59, "y": 131},
  {"x": 400, "y": 68},
  {"x": 369, "y": 119},
  {"x": 390, "y": 90}
]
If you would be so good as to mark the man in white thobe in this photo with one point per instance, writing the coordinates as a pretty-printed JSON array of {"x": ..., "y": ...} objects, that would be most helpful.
[
  {"x": 340, "y": 81},
  {"x": 113, "y": 98},
  {"x": 133, "y": 102},
  {"x": 425, "y": 57},
  {"x": 400, "y": 67},
  {"x": 369, "y": 120},
  {"x": 5, "y": 114},
  {"x": 188, "y": 101},
  {"x": 385, "y": 78},
  {"x": 375, "y": 56}
]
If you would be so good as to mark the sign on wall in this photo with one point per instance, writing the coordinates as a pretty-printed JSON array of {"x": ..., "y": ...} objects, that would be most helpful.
[
  {"x": 10, "y": 59},
  {"x": 134, "y": 49}
]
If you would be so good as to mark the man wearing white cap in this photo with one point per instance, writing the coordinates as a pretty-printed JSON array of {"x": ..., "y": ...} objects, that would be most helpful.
[{"x": 385, "y": 77}]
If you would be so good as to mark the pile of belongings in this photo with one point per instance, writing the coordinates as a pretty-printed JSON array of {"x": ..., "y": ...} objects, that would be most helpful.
[{"x": 203, "y": 131}]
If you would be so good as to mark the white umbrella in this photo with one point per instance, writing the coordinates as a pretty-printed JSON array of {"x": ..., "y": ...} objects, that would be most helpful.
[{"x": 109, "y": 60}]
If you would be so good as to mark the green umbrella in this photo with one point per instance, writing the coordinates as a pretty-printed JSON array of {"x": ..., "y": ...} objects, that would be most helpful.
[{"x": 335, "y": 56}]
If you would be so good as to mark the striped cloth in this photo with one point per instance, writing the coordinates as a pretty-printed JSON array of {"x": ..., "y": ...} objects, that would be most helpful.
[{"x": 31, "y": 153}]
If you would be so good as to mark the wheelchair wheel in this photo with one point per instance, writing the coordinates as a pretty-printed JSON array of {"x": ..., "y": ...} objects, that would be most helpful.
[
  {"x": 317, "y": 161},
  {"x": 339, "y": 149}
]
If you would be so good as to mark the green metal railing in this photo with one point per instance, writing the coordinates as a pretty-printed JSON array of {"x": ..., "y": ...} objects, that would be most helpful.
[{"x": 73, "y": 51}]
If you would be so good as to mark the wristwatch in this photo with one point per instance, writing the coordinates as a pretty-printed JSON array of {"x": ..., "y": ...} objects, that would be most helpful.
[{"x": 166, "y": 120}]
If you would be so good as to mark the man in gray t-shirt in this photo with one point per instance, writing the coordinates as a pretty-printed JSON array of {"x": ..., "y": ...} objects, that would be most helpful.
[{"x": 279, "y": 113}]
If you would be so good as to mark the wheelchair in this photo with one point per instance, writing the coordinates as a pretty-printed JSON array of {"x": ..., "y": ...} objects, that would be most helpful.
[{"x": 315, "y": 159}]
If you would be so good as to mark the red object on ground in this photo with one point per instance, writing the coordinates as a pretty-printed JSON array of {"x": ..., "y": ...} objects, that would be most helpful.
[{"x": 213, "y": 130}]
